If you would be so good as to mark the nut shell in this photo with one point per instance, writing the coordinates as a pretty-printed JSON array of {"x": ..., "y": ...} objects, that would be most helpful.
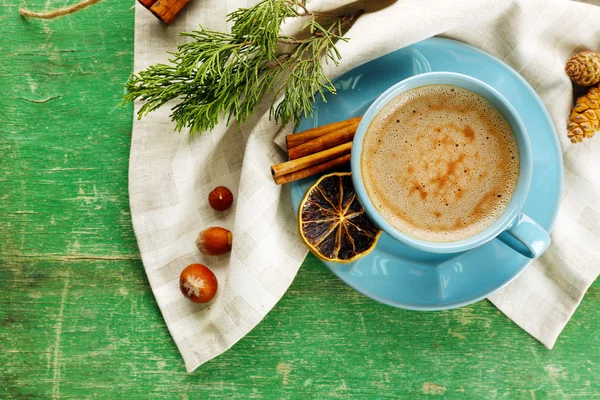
[
  {"x": 198, "y": 283},
  {"x": 214, "y": 241},
  {"x": 220, "y": 199}
]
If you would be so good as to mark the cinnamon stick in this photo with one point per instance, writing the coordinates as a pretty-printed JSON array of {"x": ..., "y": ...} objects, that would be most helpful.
[
  {"x": 167, "y": 10},
  {"x": 300, "y": 138},
  {"x": 314, "y": 170},
  {"x": 339, "y": 136},
  {"x": 147, "y": 3},
  {"x": 298, "y": 164}
]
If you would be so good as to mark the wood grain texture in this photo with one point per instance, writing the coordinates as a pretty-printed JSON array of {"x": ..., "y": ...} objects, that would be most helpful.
[
  {"x": 147, "y": 3},
  {"x": 78, "y": 319},
  {"x": 167, "y": 10}
]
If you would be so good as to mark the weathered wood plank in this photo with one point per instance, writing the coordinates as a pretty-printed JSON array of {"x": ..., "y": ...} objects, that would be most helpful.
[
  {"x": 65, "y": 141},
  {"x": 78, "y": 319},
  {"x": 77, "y": 328}
]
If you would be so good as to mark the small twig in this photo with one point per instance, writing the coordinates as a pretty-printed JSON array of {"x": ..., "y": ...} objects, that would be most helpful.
[
  {"x": 324, "y": 14},
  {"x": 305, "y": 12},
  {"x": 278, "y": 62},
  {"x": 292, "y": 41},
  {"x": 58, "y": 13},
  {"x": 303, "y": 7},
  {"x": 345, "y": 19}
]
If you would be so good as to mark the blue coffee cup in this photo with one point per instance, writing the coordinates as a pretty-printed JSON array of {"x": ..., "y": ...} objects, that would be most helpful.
[{"x": 513, "y": 228}]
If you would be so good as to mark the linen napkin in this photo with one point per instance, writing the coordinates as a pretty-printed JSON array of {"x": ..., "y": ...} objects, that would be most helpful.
[{"x": 171, "y": 174}]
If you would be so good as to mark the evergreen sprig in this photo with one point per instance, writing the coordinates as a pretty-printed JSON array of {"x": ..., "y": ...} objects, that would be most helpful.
[{"x": 218, "y": 74}]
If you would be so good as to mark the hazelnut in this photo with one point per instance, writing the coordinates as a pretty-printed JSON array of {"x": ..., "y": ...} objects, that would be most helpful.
[
  {"x": 214, "y": 241},
  {"x": 198, "y": 283},
  {"x": 220, "y": 198}
]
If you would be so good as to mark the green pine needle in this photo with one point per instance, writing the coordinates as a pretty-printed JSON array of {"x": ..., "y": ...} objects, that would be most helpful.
[{"x": 223, "y": 75}]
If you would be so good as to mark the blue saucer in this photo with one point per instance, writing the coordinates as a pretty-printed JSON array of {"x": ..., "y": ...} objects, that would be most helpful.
[{"x": 399, "y": 275}]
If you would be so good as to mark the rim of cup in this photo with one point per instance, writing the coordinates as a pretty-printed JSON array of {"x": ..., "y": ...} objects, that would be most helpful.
[{"x": 518, "y": 128}]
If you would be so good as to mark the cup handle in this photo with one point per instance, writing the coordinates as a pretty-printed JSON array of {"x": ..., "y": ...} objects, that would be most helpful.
[{"x": 525, "y": 236}]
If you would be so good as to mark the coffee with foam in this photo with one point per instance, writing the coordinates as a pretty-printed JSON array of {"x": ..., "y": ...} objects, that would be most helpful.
[{"x": 440, "y": 163}]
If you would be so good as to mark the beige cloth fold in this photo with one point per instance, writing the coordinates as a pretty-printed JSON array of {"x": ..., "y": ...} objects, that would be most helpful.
[{"x": 171, "y": 174}]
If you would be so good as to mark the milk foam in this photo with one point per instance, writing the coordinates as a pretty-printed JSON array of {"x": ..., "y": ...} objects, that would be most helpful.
[{"x": 440, "y": 163}]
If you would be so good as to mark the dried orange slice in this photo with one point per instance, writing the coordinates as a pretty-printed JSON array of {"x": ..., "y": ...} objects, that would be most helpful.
[{"x": 333, "y": 223}]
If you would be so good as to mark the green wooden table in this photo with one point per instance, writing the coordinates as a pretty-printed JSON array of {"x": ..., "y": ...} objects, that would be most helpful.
[{"x": 78, "y": 319}]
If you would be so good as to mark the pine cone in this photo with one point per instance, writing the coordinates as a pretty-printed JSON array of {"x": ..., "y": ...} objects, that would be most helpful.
[
  {"x": 584, "y": 68},
  {"x": 584, "y": 121}
]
